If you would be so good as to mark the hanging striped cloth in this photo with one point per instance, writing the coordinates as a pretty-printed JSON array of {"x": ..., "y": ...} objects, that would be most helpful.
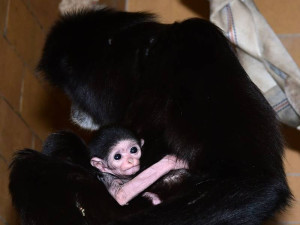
[{"x": 262, "y": 55}]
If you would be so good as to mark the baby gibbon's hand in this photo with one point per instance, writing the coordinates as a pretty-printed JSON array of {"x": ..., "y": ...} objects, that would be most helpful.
[{"x": 175, "y": 162}]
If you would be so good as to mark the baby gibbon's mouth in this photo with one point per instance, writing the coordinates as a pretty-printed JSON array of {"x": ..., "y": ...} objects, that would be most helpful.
[
  {"x": 133, "y": 170},
  {"x": 133, "y": 167}
]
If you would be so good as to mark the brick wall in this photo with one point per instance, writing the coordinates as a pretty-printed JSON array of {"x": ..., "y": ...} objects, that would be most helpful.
[
  {"x": 23, "y": 25},
  {"x": 30, "y": 109}
]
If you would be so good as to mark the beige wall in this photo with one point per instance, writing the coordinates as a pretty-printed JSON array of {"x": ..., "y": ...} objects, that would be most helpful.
[{"x": 30, "y": 109}]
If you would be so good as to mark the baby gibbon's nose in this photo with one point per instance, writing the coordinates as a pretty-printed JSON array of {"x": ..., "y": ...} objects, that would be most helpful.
[{"x": 130, "y": 160}]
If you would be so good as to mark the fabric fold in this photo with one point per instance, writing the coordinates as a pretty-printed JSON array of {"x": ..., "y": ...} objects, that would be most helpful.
[{"x": 262, "y": 55}]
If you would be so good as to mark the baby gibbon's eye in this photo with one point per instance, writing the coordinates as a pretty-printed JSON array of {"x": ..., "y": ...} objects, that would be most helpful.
[
  {"x": 133, "y": 150},
  {"x": 117, "y": 156}
]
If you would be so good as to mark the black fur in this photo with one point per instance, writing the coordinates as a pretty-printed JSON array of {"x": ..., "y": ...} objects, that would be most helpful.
[
  {"x": 67, "y": 146},
  {"x": 181, "y": 87}
]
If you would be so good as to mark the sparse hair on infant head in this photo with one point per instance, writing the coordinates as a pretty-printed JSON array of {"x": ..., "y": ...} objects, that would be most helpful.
[{"x": 109, "y": 136}]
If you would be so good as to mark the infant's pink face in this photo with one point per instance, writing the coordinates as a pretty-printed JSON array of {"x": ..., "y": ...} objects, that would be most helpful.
[{"x": 124, "y": 158}]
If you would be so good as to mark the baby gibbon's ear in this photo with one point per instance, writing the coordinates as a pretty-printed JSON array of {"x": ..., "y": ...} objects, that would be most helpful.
[
  {"x": 98, "y": 163},
  {"x": 142, "y": 142}
]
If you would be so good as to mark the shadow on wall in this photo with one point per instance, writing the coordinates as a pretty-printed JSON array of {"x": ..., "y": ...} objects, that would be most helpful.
[
  {"x": 200, "y": 7},
  {"x": 292, "y": 137},
  {"x": 52, "y": 113}
]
